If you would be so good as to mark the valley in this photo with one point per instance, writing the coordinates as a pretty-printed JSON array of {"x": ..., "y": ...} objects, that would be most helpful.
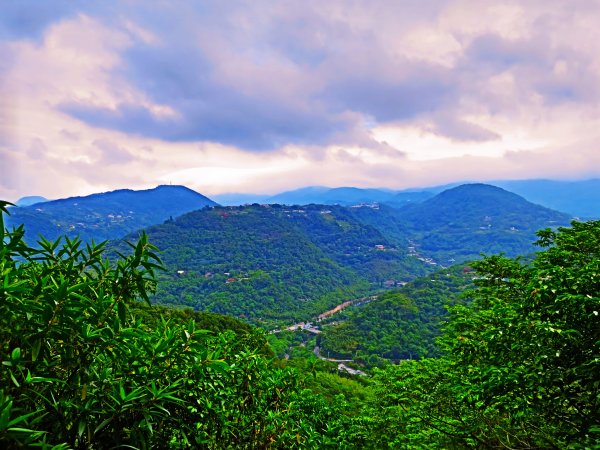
[
  {"x": 274, "y": 264},
  {"x": 324, "y": 315}
]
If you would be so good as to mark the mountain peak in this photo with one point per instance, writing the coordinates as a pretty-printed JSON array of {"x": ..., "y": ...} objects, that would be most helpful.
[
  {"x": 488, "y": 198},
  {"x": 30, "y": 200},
  {"x": 471, "y": 216},
  {"x": 108, "y": 215}
]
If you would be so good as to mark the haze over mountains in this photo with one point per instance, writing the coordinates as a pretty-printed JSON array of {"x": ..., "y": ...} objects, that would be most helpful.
[{"x": 577, "y": 198}]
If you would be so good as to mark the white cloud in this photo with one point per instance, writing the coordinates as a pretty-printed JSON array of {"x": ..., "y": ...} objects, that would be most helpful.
[{"x": 368, "y": 94}]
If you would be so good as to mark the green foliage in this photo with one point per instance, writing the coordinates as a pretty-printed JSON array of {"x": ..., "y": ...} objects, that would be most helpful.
[
  {"x": 523, "y": 360},
  {"x": 80, "y": 368},
  {"x": 462, "y": 223},
  {"x": 272, "y": 263},
  {"x": 399, "y": 324}
]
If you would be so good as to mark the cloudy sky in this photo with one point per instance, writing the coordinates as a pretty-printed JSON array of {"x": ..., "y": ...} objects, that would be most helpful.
[{"x": 257, "y": 96}]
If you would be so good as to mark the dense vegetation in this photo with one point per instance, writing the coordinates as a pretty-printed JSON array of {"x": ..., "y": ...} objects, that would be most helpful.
[
  {"x": 287, "y": 263},
  {"x": 522, "y": 364},
  {"x": 399, "y": 324},
  {"x": 274, "y": 262},
  {"x": 86, "y": 365},
  {"x": 81, "y": 369}
]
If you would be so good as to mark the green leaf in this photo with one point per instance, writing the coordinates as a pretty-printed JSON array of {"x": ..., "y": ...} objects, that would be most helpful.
[
  {"x": 16, "y": 354},
  {"x": 122, "y": 312},
  {"x": 102, "y": 424},
  {"x": 35, "y": 349},
  {"x": 81, "y": 428}
]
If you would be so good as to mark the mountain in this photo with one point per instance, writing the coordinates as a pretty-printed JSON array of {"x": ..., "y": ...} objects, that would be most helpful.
[
  {"x": 460, "y": 223},
  {"x": 403, "y": 198},
  {"x": 30, "y": 200},
  {"x": 331, "y": 196},
  {"x": 345, "y": 196},
  {"x": 578, "y": 198},
  {"x": 273, "y": 261},
  {"x": 107, "y": 215}
]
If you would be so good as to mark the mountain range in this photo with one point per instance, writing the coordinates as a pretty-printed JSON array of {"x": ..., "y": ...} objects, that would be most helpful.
[
  {"x": 321, "y": 195},
  {"x": 108, "y": 215},
  {"x": 276, "y": 262},
  {"x": 577, "y": 198}
]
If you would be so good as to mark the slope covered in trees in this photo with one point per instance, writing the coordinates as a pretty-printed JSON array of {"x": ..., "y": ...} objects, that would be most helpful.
[
  {"x": 273, "y": 261},
  {"x": 108, "y": 215},
  {"x": 82, "y": 369},
  {"x": 400, "y": 324},
  {"x": 86, "y": 366},
  {"x": 459, "y": 224},
  {"x": 522, "y": 361},
  {"x": 293, "y": 262}
]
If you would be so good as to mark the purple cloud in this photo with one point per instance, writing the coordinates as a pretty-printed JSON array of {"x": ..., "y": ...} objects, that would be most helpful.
[{"x": 29, "y": 18}]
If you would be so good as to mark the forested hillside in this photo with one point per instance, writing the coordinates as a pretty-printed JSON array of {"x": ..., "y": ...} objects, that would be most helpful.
[
  {"x": 521, "y": 366},
  {"x": 400, "y": 324},
  {"x": 274, "y": 261},
  {"x": 84, "y": 365},
  {"x": 459, "y": 224},
  {"x": 108, "y": 215}
]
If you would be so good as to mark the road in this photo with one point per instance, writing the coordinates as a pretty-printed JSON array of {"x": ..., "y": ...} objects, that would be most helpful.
[{"x": 317, "y": 352}]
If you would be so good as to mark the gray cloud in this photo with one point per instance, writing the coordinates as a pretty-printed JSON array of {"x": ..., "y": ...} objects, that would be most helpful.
[
  {"x": 112, "y": 153},
  {"x": 270, "y": 77},
  {"x": 387, "y": 100},
  {"x": 461, "y": 130},
  {"x": 178, "y": 73},
  {"x": 28, "y": 19}
]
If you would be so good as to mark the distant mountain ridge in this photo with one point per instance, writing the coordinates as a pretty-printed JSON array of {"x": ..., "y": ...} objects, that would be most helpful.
[
  {"x": 107, "y": 215},
  {"x": 276, "y": 261},
  {"x": 321, "y": 195},
  {"x": 30, "y": 200},
  {"x": 578, "y": 198}
]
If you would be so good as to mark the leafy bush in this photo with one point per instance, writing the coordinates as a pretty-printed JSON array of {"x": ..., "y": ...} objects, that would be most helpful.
[
  {"x": 81, "y": 369},
  {"x": 522, "y": 364}
]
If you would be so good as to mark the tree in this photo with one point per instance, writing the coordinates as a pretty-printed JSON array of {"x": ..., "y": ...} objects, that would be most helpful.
[
  {"x": 522, "y": 364},
  {"x": 81, "y": 369}
]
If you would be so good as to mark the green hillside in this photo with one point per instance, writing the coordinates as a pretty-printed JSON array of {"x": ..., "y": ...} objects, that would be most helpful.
[
  {"x": 274, "y": 262},
  {"x": 247, "y": 261},
  {"x": 461, "y": 223},
  {"x": 85, "y": 365},
  {"x": 399, "y": 324}
]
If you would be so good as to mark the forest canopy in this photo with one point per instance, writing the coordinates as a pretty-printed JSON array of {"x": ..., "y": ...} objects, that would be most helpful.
[{"x": 87, "y": 362}]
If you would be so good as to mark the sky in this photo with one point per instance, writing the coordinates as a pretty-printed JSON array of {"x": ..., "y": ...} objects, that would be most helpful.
[{"x": 260, "y": 97}]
